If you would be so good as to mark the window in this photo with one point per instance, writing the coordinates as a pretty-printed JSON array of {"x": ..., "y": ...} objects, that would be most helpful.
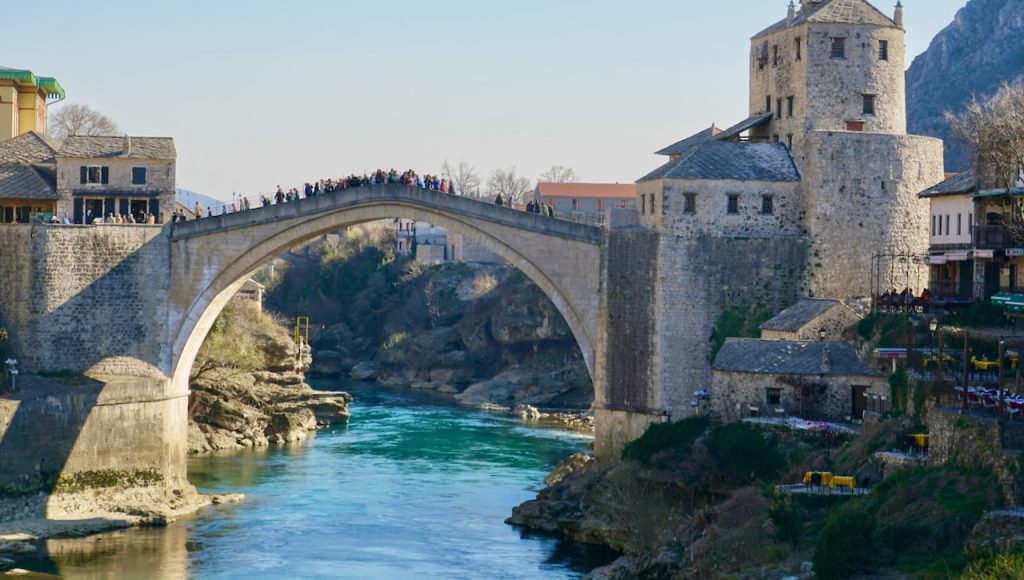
[
  {"x": 575, "y": 205},
  {"x": 869, "y": 104},
  {"x": 600, "y": 205},
  {"x": 789, "y": 106},
  {"x": 933, "y": 226},
  {"x": 838, "y": 47},
  {"x": 652, "y": 204},
  {"x": 778, "y": 108},
  {"x": 959, "y": 230},
  {"x": 767, "y": 204},
  {"x": 883, "y": 50},
  {"x": 775, "y": 55},
  {"x": 855, "y": 126},
  {"x": 799, "y": 48},
  {"x": 732, "y": 204},
  {"x": 789, "y": 140},
  {"x": 95, "y": 174},
  {"x": 773, "y": 397},
  {"x": 768, "y": 104},
  {"x": 623, "y": 203},
  {"x": 643, "y": 204},
  {"x": 763, "y": 58},
  {"x": 775, "y": 138},
  {"x": 947, "y": 224},
  {"x": 690, "y": 203},
  {"x": 970, "y": 225},
  {"x": 138, "y": 176}
]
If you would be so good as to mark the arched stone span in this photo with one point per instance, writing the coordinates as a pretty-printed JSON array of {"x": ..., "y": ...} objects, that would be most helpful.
[{"x": 212, "y": 257}]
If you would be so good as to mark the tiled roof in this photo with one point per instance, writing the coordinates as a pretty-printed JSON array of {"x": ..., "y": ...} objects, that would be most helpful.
[
  {"x": 730, "y": 160},
  {"x": 587, "y": 190},
  {"x": 686, "y": 145},
  {"x": 28, "y": 148},
  {"x": 784, "y": 357},
  {"x": 799, "y": 315},
  {"x": 24, "y": 182},
  {"x": 82, "y": 147},
  {"x": 837, "y": 12},
  {"x": 961, "y": 183}
]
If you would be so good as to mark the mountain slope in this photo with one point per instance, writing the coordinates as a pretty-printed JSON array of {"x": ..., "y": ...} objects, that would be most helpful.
[{"x": 981, "y": 49}]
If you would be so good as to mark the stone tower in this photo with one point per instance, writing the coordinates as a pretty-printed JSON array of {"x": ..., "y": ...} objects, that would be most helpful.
[{"x": 831, "y": 76}]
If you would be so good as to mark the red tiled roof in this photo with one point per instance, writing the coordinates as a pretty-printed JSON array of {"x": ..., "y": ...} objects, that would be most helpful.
[{"x": 587, "y": 190}]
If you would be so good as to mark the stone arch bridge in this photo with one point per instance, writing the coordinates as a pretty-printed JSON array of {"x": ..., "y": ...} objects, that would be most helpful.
[{"x": 129, "y": 306}]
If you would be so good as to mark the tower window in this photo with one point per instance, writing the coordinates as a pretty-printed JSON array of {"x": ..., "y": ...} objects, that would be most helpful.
[
  {"x": 789, "y": 107},
  {"x": 869, "y": 104},
  {"x": 775, "y": 55},
  {"x": 883, "y": 50},
  {"x": 690, "y": 203},
  {"x": 767, "y": 204},
  {"x": 732, "y": 206},
  {"x": 789, "y": 140},
  {"x": 768, "y": 104},
  {"x": 799, "y": 48},
  {"x": 778, "y": 108},
  {"x": 838, "y": 47}
]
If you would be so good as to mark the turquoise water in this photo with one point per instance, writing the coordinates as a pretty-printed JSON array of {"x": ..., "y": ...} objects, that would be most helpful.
[{"x": 411, "y": 488}]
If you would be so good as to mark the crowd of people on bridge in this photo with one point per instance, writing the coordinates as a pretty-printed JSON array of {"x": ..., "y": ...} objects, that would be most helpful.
[{"x": 409, "y": 178}]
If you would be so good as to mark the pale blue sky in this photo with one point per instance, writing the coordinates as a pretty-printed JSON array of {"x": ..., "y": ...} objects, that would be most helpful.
[{"x": 258, "y": 93}]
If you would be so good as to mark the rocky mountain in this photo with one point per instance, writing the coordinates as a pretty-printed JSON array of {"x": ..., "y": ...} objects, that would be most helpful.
[{"x": 980, "y": 50}]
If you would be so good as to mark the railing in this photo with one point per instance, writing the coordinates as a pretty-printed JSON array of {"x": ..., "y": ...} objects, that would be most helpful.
[{"x": 992, "y": 237}]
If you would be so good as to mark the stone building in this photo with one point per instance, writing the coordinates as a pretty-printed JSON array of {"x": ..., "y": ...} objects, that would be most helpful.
[
  {"x": 27, "y": 179},
  {"x": 588, "y": 200},
  {"x": 127, "y": 176},
  {"x": 809, "y": 379},
  {"x": 797, "y": 200},
  {"x": 811, "y": 320},
  {"x": 24, "y": 98}
]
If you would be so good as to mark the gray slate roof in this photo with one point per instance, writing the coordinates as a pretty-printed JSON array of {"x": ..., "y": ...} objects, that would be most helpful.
[
  {"x": 784, "y": 357},
  {"x": 730, "y": 160},
  {"x": 81, "y": 147},
  {"x": 799, "y": 315},
  {"x": 25, "y": 182},
  {"x": 960, "y": 183},
  {"x": 835, "y": 12},
  {"x": 28, "y": 148}
]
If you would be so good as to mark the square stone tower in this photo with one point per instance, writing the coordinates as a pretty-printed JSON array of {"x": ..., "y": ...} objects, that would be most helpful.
[{"x": 831, "y": 77}]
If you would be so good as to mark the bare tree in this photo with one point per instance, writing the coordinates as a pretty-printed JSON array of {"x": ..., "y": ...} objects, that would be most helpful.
[
  {"x": 509, "y": 184},
  {"x": 994, "y": 128},
  {"x": 76, "y": 119},
  {"x": 559, "y": 174},
  {"x": 463, "y": 177}
]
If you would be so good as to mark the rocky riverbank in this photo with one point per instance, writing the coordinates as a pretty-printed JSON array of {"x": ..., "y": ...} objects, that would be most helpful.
[{"x": 248, "y": 387}]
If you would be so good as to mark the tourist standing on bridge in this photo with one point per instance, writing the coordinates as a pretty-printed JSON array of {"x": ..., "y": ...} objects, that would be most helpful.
[
  {"x": 279, "y": 195},
  {"x": 198, "y": 211},
  {"x": 499, "y": 201}
]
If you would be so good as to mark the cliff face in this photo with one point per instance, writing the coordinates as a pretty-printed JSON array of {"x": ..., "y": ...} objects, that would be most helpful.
[{"x": 980, "y": 50}]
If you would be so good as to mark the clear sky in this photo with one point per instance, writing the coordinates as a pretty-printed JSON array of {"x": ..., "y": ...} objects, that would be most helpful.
[{"x": 260, "y": 93}]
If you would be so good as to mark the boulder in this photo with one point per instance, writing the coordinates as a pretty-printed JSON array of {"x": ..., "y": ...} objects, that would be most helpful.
[
  {"x": 364, "y": 371},
  {"x": 526, "y": 412},
  {"x": 493, "y": 391},
  {"x": 292, "y": 426},
  {"x": 568, "y": 466}
]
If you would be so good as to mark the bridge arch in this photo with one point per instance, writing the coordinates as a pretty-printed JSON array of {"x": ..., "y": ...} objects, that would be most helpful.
[{"x": 211, "y": 258}]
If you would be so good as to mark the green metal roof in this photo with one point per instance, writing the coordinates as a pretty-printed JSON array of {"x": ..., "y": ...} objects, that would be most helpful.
[{"x": 47, "y": 84}]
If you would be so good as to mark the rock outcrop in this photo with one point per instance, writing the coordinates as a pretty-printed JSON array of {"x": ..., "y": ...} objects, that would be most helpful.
[{"x": 980, "y": 50}]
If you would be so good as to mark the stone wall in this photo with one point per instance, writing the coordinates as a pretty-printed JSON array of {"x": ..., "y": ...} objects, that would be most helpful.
[
  {"x": 977, "y": 443},
  {"x": 732, "y": 393},
  {"x": 862, "y": 200},
  {"x": 696, "y": 281},
  {"x": 711, "y": 216},
  {"x": 86, "y": 298}
]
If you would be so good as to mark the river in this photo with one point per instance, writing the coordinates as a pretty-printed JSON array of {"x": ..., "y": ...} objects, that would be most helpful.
[{"x": 411, "y": 488}]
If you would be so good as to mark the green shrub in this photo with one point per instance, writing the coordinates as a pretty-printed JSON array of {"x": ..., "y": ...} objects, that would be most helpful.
[
  {"x": 666, "y": 441},
  {"x": 979, "y": 315},
  {"x": 848, "y": 545},
  {"x": 1002, "y": 567},
  {"x": 742, "y": 453},
  {"x": 787, "y": 517},
  {"x": 899, "y": 387},
  {"x": 737, "y": 322}
]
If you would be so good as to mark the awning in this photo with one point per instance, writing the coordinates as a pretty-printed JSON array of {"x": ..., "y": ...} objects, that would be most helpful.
[
  {"x": 984, "y": 254},
  {"x": 937, "y": 260},
  {"x": 957, "y": 257}
]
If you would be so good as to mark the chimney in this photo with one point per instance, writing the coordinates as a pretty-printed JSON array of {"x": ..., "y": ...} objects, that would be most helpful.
[
  {"x": 898, "y": 18},
  {"x": 791, "y": 15},
  {"x": 127, "y": 148},
  {"x": 826, "y": 359}
]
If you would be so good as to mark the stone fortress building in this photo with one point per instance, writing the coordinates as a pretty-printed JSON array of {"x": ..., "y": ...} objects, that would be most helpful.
[{"x": 799, "y": 200}]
